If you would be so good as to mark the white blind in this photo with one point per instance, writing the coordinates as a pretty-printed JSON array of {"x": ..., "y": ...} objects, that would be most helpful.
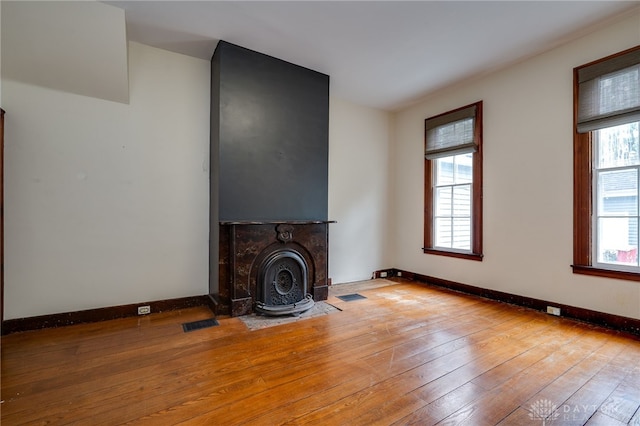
[
  {"x": 609, "y": 92},
  {"x": 451, "y": 133}
]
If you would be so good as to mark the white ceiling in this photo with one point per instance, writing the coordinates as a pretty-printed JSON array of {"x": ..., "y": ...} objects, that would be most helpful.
[{"x": 383, "y": 54}]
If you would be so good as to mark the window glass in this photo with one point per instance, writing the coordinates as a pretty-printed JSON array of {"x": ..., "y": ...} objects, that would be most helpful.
[
  {"x": 452, "y": 199},
  {"x": 615, "y": 192}
]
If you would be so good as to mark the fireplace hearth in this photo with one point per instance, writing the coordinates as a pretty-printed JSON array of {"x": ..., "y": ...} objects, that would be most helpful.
[{"x": 272, "y": 268}]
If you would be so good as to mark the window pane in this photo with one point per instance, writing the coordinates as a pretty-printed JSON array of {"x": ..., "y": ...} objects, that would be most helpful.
[
  {"x": 617, "y": 193},
  {"x": 464, "y": 168},
  {"x": 454, "y": 170},
  {"x": 618, "y": 241},
  {"x": 444, "y": 171},
  {"x": 443, "y": 232},
  {"x": 618, "y": 146},
  {"x": 452, "y": 201},
  {"x": 462, "y": 233},
  {"x": 462, "y": 200},
  {"x": 443, "y": 201}
]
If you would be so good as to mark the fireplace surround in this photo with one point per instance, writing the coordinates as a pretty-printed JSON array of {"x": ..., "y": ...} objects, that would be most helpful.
[{"x": 272, "y": 267}]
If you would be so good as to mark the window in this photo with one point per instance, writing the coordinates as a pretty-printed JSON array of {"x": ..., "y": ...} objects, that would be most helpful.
[
  {"x": 607, "y": 166},
  {"x": 453, "y": 183}
]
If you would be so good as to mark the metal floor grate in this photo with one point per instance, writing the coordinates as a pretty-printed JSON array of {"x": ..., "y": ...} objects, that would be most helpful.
[
  {"x": 197, "y": 325},
  {"x": 351, "y": 297}
]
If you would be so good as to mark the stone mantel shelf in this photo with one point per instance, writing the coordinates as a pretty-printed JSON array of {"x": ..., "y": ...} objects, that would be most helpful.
[{"x": 276, "y": 222}]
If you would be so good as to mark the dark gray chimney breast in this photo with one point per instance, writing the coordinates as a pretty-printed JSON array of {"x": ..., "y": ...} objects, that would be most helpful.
[{"x": 271, "y": 136}]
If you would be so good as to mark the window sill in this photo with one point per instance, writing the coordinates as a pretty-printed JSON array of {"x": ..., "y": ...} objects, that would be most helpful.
[
  {"x": 606, "y": 273},
  {"x": 459, "y": 255}
]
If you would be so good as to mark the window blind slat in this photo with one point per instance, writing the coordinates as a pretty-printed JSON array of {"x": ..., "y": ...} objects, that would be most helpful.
[
  {"x": 626, "y": 117},
  {"x": 446, "y": 152},
  {"x": 611, "y": 98},
  {"x": 609, "y": 66},
  {"x": 450, "y": 117},
  {"x": 450, "y": 134}
]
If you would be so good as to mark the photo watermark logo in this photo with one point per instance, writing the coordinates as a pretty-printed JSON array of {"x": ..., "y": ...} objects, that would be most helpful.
[
  {"x": 546, "y": 411},
  {"x": 543, "y": 409}
]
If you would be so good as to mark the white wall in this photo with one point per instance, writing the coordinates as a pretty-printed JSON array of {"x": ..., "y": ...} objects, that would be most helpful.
[
  {"x": 0, "y": 55},
  {"x": 359, "y": 191},
  {"x": 90, "y": 36},
  {"x": 528, "y": 181},
  {"x": 107, "y": 203}
]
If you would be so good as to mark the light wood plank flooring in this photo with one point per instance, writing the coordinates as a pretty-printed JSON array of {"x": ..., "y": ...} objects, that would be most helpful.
[{"x": 407, "y": 354}]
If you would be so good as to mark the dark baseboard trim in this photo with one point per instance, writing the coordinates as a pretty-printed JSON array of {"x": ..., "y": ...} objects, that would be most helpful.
[
  {"x": 385, "y": 273},
  {"x": 213, "y": 301},
  {"x": 102, "y": 314},
  {"x": 615, "y": 322}
]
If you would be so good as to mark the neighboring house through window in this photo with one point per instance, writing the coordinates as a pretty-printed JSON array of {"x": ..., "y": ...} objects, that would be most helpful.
[
  {"x": 607, "y": 166},
  {"x": 453, "y": 183}
]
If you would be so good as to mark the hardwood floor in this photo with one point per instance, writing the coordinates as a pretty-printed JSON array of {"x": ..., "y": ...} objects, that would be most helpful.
[{"x": 408, "y": 354}]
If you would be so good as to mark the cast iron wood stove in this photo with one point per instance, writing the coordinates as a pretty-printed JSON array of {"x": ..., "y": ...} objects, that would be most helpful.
[{"x": 282, "y": 283}]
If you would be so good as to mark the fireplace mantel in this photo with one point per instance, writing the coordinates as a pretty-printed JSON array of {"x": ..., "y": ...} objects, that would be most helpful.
[
  {"x": 275, "y": 222},
  {"x": 245, "y": 244}
]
